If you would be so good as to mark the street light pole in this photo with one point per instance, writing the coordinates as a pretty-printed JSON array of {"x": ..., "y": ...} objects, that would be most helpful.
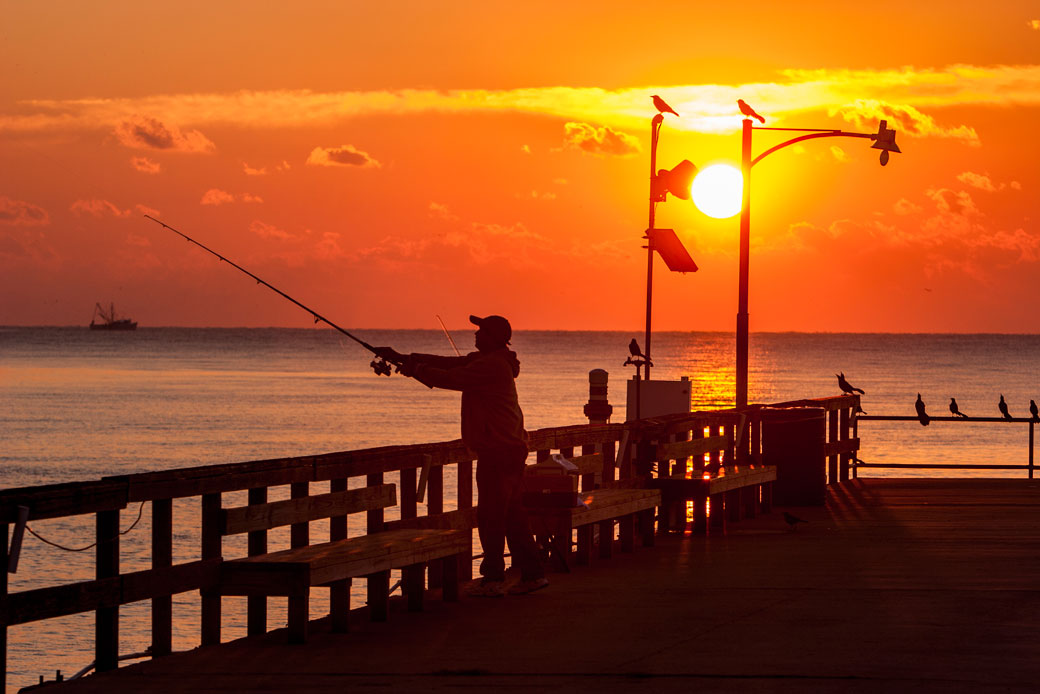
[
  {"x": 655, "y": 129},
  {"x": 884, "y": 140}
]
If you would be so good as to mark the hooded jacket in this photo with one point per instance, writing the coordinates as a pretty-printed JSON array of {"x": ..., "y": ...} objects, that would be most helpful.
[{"x": 491, "y": 415}]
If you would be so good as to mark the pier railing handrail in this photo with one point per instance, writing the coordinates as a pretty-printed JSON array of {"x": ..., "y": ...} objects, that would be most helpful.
[{"x": 625, "y": 460}]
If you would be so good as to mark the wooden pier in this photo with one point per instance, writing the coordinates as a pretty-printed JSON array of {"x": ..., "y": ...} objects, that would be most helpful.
[{"x": 892, "y": 586}]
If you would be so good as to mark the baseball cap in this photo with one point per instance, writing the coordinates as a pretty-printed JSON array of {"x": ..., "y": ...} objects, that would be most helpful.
[{"x": 495, "y": 326}]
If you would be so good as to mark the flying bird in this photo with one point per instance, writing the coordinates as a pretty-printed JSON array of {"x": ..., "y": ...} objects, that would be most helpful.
[
  {"x": 922, "y": 416},
  {"x": 793, "y": 521},
  {"x": 847, "y": 387},
  {"x": 748, "y": 111},
  {"x": 954, "y": 409},
  {"x": 661, "y": 106},
  {"x": 1033, "y": 411},
  {"x": 1002, "y": 406}
]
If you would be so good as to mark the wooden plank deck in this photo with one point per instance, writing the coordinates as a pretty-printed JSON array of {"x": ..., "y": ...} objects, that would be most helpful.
[{"x": 894, "y": 585}]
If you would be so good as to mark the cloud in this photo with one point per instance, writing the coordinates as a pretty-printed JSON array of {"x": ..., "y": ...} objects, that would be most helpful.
[
  {"x": 345, "y": 155},
  {"x": 216, "y": 196},
  {"x": 865, "y": 114},
  {"x": 269, "y": 231},
  {"x": 441, "y": 211},
  {"x": 98, "y": 208},
  {"x": 984, "y": 182},
  {"x": 145, "y": 165},
  {"x": 142, "y": 132},
  {"x": 839, "y": 154},
  {"x": 21, "y": 246},
  {"x": 600, "y": 141},
  {"x": 21, "y": 213},
  {"x": 262, "y": 171}
]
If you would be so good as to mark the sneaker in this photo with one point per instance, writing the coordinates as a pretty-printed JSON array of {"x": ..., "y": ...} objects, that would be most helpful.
[
  {"x": 488, "y": 589},
  {"x": 524, "y": 587}
]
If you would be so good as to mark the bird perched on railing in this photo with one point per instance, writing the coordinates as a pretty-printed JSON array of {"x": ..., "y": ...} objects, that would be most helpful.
[
  {"x": 793, "y": 521},
  {"x": 922, "y": 416},
  {"x": 637, "y": 357},
  {"x": 748, "y": 111},
  {"x": 847, "y": 387},
  {"x": 1033, "y": 411},
  {"x": 1002, "y": 406},
  {"x": 661, "y": 106},
  {"x": 956, "y": 410}
]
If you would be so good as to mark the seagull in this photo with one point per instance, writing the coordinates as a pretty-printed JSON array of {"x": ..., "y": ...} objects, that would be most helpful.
[
  {"x": 954, "y": 409},
  {"x": 921, "y": 414},
  {"x": 661, "y": 106},
  {"x": 793, "y": 521},
  {"x": 847, "y": 387},
  {"x": 748, "y": 111},
  {"x": 1002, "y": 406},
  {"x": 633, "y": 348},
  {"x": 1033, "y": 411}
]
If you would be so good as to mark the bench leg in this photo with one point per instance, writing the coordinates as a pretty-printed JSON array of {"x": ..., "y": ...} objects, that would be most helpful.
[
  {"x": 718, "y": 513},
  {"x": 584, "y": 557},
  {"x": 378, "y": 588},
  {"x": 700, "y": 516},
  {"x": 299, "y": 616},
  {"x": 413, "y": 579},
  {"x": 450, "y": 574},
  {"x": 606, "y": 539},
  {"x": 256, "y": 615},
  {"x": 627, "y": 531},
  {"x": 646, "y": 523},
  {"x": 339, "y": 606},
  {"x": 733, "y": 505},
  {"x": 767, "y": 497}
]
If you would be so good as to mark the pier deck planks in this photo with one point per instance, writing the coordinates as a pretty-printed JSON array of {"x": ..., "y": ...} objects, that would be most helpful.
[{"x": 894, "y": 585}]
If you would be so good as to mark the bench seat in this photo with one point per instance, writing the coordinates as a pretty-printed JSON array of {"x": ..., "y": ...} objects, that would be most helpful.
[{"x": 734, "y": 495}]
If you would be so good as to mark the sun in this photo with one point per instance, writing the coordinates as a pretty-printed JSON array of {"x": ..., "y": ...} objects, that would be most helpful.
[{"x": 718, "y": 191}]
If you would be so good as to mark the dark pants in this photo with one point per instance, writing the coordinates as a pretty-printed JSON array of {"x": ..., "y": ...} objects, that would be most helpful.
[{"x": 502, "y": 517}]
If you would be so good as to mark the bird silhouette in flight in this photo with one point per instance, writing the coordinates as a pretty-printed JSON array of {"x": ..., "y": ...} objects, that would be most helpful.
[
  {"x": 922, "y": 416},
  {"x": 847, "y": 387},
  {"x": 661, "y": 106},
  {"x": 748, "y": 111},
  {"x": 793, "y": 521},
  {"x": 1002, "y": 406},
  {"x": 1033, "y": 411},
  {"x": 954, "y": 409}
]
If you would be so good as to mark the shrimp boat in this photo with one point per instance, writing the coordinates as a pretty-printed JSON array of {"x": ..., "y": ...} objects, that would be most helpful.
[{"x": 109, "y": 320}]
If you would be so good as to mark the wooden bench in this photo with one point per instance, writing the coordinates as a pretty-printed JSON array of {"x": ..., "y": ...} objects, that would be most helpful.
[
  {"x": 293, "y": 572},
  {"x": 734, "y": 492},
  {"x": 604, "y": 504}
]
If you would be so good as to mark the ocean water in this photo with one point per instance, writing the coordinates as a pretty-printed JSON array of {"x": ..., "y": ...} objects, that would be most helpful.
[{"x": 78, "y": 405}]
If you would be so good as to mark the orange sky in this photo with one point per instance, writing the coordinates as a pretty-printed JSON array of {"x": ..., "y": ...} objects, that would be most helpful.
[{"x": 388, "y": 163}]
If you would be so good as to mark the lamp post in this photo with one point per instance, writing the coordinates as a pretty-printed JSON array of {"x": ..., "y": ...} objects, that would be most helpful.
[
  {"x": 884, "y": 140},
  {"x": 677, "y": 182}
]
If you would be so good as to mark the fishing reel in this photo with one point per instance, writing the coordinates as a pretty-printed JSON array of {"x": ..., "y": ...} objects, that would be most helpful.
[{"x": 381, "y": 367}]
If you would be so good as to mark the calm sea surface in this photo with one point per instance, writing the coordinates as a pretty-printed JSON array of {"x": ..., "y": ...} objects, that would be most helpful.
[{"x": 78, "y": 405}]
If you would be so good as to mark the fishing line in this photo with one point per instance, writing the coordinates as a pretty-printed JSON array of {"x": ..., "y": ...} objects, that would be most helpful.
[{"x": 380, "y": 365}]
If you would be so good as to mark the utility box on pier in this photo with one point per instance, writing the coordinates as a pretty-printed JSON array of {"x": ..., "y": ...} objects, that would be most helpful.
[
  {"x": 793, "y": 440},
  {"x": 656, "y": 398}
]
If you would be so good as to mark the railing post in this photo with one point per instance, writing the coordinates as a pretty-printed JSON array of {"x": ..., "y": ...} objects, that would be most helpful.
[
  {"x": 106, "y": 624},
  {"x": 162, "y": 557},
  {"x": 832, "y": 437},
  {"x": 465, "y": 501},
  {"x": 3, "y": 606},
  {"x": 256, "y": 605},
  {"x": 211, "y": 549},
  {"x": 843, "y": 436},
  {"x": 1030, "y": 449},
  {"x": 339, "y": 591}
]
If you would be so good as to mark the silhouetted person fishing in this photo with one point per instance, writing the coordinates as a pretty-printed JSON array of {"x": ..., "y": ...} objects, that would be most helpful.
[
  {"x": 493, "y": 428},
  {"x": 847, "y": 387},
  {"x": 922, "y": 416},
  {"x": 1002, "y": 406},
  {"x": 956, "y": 410}
]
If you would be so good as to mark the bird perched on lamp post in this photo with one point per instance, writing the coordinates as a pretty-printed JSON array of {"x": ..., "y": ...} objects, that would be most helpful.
[
  {"x": 956, "y": 410},
  {"x": 922, "y": 416},
  {"x": 748, "y": 111},
  {"x": 1002, "y": 406},
  {"x": 661, "y": 106},
  {"x": 847, "y": 387}
]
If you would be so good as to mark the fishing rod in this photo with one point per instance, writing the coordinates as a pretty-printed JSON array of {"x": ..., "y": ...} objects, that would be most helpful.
[
  {"x": 450, "y": 338},
  {"x": 381, "y": 365}
]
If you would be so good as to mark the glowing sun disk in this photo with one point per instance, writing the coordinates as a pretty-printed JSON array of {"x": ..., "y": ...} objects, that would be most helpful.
[{"x": 718, "y": 191}]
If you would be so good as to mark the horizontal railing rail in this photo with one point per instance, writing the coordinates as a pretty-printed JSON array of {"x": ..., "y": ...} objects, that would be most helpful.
[{"x": 1029, "y": 466}]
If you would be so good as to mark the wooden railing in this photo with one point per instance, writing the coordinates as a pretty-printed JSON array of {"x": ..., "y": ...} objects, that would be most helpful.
[
  {"x": 628, "y": 451},
  {"x": 1028, "y": 466}
]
